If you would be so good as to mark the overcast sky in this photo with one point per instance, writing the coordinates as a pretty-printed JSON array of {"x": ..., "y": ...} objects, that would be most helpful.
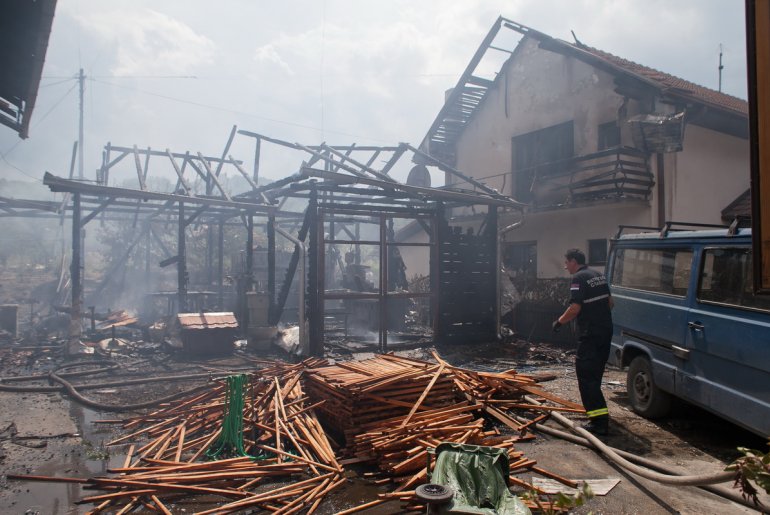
[{"x": 309, "y": 71}]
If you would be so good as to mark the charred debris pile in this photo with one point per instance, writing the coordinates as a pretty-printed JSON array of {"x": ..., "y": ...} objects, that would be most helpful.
[{"x": 281, "y": 437}]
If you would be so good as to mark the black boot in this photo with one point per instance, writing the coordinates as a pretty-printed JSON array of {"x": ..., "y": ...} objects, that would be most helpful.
[{"x": 598, "y": 426}]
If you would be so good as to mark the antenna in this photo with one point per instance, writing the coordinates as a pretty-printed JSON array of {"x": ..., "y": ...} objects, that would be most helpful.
[
  {"x": 81, "y": 143},
  {"x": 721, "y": 67}
]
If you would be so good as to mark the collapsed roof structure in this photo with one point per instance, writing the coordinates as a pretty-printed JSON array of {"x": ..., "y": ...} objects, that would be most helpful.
[{"x": 339, "y": 199}]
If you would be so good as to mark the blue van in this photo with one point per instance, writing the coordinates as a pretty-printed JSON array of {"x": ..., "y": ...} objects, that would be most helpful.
[{"x": 687, "y": 323}]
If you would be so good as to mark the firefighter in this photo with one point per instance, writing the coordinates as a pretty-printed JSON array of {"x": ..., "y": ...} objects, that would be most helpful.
[{"x": 591, "y": 303}]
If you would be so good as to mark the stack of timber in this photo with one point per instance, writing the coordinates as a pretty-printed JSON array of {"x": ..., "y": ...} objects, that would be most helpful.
[
  {"x": 399, "y": 445},
  {"x": 358, "y": 393}
]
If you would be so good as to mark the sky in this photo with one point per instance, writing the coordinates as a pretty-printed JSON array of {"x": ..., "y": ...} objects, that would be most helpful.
[{"x": 179, "y": 74}]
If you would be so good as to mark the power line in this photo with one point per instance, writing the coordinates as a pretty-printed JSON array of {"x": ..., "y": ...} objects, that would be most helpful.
[
  {"x": 19, "y": 169},
  {"x": 226, "y": 110}
]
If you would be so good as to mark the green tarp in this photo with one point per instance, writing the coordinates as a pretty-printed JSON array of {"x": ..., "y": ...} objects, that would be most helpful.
[{"x": 478, "y": 477}]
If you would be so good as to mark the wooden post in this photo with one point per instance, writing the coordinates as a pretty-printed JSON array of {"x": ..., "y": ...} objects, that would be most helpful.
[
  {"x": 271, "y": 266},
  {"x": 315, "y": 318},
  {"x": 221, "y": 267},
  {"x": 181, "y": 265},
  {"x": 75, "y": 268},
  {"x": 383, "y": 289}
]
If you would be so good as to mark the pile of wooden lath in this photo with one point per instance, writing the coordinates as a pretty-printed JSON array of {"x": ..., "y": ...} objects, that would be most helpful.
[
  {"x": 279, "y": 426},
  {"x": 389, "y": 409},
  {"x": 358, "y": 393},
  {"x": 393, "y": 409}
]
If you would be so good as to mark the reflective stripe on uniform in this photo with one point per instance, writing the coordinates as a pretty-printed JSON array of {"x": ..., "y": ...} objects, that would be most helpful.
[
  {"x": 601, "y": 412},
  {"x": 594, "y": 299}
]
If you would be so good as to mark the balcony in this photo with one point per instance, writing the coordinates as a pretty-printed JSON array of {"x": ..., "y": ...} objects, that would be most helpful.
[{"x": 612, "y": 174}]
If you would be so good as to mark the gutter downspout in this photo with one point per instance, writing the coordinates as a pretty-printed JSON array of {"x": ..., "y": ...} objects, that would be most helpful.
[
  {"x": 500, "y": 234},
  {"x": 304, "y": 347}
]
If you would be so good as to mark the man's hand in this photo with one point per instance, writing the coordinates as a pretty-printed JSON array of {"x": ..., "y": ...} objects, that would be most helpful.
[{"x": 556, "y": 326}]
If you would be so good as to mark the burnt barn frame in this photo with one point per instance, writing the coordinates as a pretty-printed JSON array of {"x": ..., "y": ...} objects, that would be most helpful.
[{"x": 341, "y": 192}]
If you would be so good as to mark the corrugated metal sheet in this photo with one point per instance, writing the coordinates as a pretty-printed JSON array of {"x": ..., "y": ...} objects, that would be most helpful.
[{"x": 225, "y": 320}]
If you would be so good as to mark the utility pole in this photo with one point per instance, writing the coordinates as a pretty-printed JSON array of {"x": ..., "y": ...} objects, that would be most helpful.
[{"x": 81, "y": 81}]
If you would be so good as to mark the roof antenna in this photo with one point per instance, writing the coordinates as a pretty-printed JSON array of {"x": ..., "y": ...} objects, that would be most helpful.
[
  {"x": 577, "y": 41},
  {"x": 721, "y": 67}
]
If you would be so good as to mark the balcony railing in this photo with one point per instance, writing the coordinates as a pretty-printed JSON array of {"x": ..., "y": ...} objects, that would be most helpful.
[{"x": 617, "y": 173}]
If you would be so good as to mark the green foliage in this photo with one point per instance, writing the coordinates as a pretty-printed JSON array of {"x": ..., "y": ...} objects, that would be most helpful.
[
  {"x": 99, "y": 453},
  {"x": 753, "y": 468},
  {"x": 562, "y": 502}
]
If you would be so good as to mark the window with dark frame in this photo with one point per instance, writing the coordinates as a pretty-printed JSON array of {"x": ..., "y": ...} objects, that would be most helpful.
[
  {"x": 540, "y": 153},
  {"x": 520, "y": 259},
  {"x": 597, "y": 251},
  {"x": 609, "y": 135}
]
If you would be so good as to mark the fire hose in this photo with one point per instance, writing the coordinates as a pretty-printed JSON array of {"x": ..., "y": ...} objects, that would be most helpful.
[{"x": 623, "y": 460}]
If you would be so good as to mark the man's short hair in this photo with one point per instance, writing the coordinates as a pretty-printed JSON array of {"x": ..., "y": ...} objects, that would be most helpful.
[{"x": 577, "y": 255}]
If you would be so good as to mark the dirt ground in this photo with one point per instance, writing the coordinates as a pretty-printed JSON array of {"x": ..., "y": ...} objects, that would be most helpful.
[{"x": 47, "y": 434}]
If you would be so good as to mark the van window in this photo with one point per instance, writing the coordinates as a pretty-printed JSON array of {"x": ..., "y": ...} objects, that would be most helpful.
[
  {"x": 656, "y": 270},
  {"x": 726, "y": 278}
]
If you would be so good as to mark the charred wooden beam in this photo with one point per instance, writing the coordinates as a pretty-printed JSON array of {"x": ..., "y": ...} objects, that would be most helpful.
[{"x": 57, "y": 184}]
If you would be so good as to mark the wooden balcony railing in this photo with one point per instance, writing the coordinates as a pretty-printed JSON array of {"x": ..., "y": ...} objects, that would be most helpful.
[{"x": 617, "y": 173}]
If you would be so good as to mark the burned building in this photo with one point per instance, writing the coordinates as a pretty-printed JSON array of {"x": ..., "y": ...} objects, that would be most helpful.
[
  {"x": 337, "y": 256},
  {"x": 589, "y": 141}
]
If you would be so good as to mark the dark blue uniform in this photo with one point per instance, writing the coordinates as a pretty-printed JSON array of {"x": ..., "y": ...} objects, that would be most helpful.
[{"x": 589, "y": 289}]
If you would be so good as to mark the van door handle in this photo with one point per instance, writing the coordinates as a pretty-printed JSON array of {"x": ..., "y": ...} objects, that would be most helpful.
[{"x": 696, "y": 326}]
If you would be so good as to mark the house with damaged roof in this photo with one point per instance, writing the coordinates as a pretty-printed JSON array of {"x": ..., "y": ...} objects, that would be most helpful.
[{"x": 589, "y": 141}]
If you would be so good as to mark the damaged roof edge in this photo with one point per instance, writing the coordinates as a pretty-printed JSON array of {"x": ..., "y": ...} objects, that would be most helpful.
[{"x": 441, "y": 137}]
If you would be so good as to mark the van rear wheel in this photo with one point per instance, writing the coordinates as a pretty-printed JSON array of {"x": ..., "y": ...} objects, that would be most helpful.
[{"x": 646, "y": 398}]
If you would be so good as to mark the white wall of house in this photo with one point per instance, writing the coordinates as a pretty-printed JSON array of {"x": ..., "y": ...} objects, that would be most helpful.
[
  {"x": 536, "y": 89},
  {"x": 558, "y": 230},
  {"x": 709, "y": 173}
]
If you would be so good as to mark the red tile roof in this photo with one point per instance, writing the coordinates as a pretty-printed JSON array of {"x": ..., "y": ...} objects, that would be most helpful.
[
  {"x": 225, "y": 320},
  {"x": 675, "y": 85}
]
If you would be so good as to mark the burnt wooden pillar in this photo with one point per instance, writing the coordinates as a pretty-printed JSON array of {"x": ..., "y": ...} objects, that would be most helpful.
[
  {"x": 494, "y": 254},
  {"x": 209, "y": 255},
  {"x": 181, "y": 265},
  {"x": 249, "y": 275},
  {"x": 437, "y": 233},
  {"x": 383, "y": 290},
  {"x": 75, "y": 268},
  {"x": 271, "y": 266},
  {"x": 221, "y": 266},
  {"x": 314, "y": 312},
  {"x": 257, "y": 150}
]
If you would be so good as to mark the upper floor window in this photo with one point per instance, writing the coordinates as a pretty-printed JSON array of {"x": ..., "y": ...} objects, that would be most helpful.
[
  {"x": 609, "y": 135},
  {"x": 538, "y": 154}
]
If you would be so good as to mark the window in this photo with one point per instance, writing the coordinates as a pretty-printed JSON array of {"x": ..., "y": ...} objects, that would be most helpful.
[
  {"x": 609, "y": 135},
  {"x": 597, "y": 252},
  {"x": 538, "y": 154},
  {"x": 726, "y": 278},
  {"x": 520, "y": 259},
  {"x": 656, "y": 270}
]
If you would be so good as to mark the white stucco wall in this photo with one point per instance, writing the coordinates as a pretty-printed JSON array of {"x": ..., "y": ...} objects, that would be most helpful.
[
  {"x": 558, "y": 230},
  {"x": 710, "y": 172},
  {"x": 538, "y": 88},
  {"x": 542, "y": 89}
]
